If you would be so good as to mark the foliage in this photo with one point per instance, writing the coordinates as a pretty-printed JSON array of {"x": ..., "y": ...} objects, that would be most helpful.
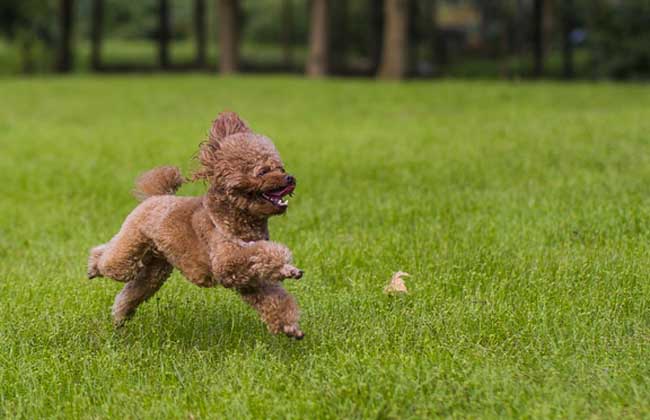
[
  {"x": 17, "y": 17},
  {"x": 132, "y": 19},
  {"x": 621, "y": 39},
  {"x": 521, "y": 212},
  {"x": 30, "y": 25},
  {"x": 617, "y": 32},
  {"x": 263, "y": 21}
]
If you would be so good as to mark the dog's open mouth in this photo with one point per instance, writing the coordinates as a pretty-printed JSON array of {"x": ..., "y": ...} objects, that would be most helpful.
[{"x": 276, "y": 197}]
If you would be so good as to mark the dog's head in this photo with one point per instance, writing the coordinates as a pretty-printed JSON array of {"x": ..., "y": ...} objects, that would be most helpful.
[{"x": 244, "y": 167}]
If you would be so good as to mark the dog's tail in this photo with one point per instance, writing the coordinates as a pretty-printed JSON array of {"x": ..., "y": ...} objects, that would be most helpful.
[{"x": 165, "y": 180}]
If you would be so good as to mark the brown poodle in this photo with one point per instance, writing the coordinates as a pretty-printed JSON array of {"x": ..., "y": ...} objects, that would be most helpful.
[{"x": 221, "y": 237}]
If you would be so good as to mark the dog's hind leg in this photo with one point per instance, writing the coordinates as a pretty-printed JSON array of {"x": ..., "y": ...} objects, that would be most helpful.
[
  {"x": 121, "y": 258},
  {"x": 93, "y": 261},
  {"x": 150, "y": 278},
  {"x": 277, "y": 308}
]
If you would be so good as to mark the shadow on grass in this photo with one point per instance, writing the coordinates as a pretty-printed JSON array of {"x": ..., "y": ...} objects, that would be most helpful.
[{"x": 223, "y": 328}]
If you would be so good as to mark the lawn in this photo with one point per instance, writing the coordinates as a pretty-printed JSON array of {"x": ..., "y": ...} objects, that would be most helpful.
[
  {"x": 143, "y": 54},
  {"x": 522, "y": 212}
]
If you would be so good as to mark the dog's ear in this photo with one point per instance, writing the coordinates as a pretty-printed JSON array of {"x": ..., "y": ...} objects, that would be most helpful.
[{"x": 227, "y": 124}]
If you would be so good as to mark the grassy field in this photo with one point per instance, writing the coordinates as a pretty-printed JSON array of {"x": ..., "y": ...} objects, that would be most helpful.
[
  {"x": 522, "y": 212},
  {"x": 144, "y": 54}
]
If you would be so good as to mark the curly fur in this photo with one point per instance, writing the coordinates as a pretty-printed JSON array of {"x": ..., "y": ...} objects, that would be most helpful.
[
  {"x": 220, "y": 238},
  {"x": 227, "y": 124},
  {"x": 165, "y": 180}
]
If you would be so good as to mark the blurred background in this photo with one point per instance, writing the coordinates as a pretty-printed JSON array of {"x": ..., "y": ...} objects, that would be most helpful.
[{"x": 509, "y": 39}]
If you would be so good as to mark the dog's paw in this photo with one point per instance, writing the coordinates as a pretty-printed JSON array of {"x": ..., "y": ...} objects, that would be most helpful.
[
  {"x": 118, "y": 323},
  {"x": 93, "y": 260},
  {"x": 294, "y": 332},
  {"x": 291, "y": 272},
  {"x": 93, "y": 272}
]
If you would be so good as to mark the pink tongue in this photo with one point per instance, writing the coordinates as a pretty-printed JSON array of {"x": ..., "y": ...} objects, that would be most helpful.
[{"x": 280, "y": 193}]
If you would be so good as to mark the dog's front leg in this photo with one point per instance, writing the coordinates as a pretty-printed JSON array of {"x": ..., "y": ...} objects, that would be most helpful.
[
  {"x": 277, "y": 308},
  {"x": 256, "y": 264}
]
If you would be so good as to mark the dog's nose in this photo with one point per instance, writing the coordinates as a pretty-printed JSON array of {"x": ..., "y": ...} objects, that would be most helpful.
[{"x": 290, "y": 179}]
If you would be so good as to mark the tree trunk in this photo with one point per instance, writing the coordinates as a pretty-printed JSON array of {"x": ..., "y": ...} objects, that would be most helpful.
[
  {"x": 163, "y": 33},
  {"x": 517, "y": 24},
  {"x": 199, "y": 32},
  {"x": 228, "y": 36},
  {"x": 339, "y": 38},
  {"x": 413, "y": 37},
  {"x": 287, "y": 33},
  {"x": 567, "y": 43},
  {"x": 440, "y": 50},
  {"x": 394, "y": 59},
  {"x": 97, "y": 20},
  {"x": 538, "y": 38},
  {"x": 66, "y": 19},
  {"x": 428, "y": 33},
  {"x": 317, "y": 64},
  {"x": 520, "y": 25},
  {"x": 376, "y": 12}
]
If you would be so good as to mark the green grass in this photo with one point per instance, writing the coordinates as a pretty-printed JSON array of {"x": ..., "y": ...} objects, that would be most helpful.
[
  {"x": 519, "y": 67},
  {"x": 143, "y": 54},
  {"x": 522, "y": 212}
]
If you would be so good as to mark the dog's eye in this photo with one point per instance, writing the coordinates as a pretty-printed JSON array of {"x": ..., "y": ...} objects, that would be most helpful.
[{"x": 263, "y": 171}]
